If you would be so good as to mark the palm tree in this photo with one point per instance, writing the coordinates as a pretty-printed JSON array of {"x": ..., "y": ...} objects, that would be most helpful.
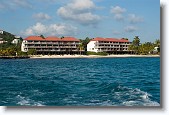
[
  {"x": 135, "y": 44},
  {"x": 42, "y": 36},
  {"x": 157, "y": 42},
  {"x": 136, "y": 41},
  {"x": 81, "y": 47}
]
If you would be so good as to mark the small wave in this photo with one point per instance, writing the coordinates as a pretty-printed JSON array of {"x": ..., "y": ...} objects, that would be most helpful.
[
  {"x": 26, "y": 101},
  {"x": 133, "y": 97},
  {"x": 36, "y": 92}
]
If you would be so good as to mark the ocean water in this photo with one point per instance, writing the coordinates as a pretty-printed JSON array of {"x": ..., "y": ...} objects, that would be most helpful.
[{"x": 80, "y": 82}]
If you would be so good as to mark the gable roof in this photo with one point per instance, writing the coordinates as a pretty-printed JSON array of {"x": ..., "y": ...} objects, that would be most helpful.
[
  {"x": 109, "y": 39},
  {"x": 69, "y": 39},
  {"x": 34, "y": 38},
  {"x": 51, "y": 38}
]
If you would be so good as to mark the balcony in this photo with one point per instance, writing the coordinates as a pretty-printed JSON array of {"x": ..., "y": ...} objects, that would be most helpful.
[{"x": 106, "y": 46}]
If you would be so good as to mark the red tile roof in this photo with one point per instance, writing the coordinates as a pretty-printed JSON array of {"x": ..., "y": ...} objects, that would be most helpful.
[
  {"x": 109, "y": 39},
  {"x": 69, "y": 39},
  {"x": 51, "y": 38},
  {"x": 34, "y": 38}
]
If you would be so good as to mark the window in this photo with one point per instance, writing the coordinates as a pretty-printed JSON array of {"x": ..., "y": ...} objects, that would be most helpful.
[{"x": 92, "y": 48}]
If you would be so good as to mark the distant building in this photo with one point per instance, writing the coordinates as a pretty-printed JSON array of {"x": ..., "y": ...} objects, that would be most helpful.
[
  {"x": 109, "y": 45},
  {"x": 2, "y": 41},
  {"x": 17, "y": 37},
  {"x": 156, "y": 50},
  {"x": 51, "y": 45},
  {"x": 15, "y": 41},
  {"x": 1, "y": 31}
]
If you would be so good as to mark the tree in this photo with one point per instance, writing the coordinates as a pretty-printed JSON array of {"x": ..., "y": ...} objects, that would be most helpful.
[
  {"x": 62, "y": 37},
  {"x": 31, "y": 52},
  {"x": 136, "y": 41},
  {"x": 146, "y": 48},
  {"x": 135, "y": 44},
  {"x": 10, "y": 51},
  {"x": 42, "y": 36},
  {"x": 157, "y": 43},
  {"x": 81, "y": 47},
  {"x": 125, "y": 38},
  {"x": 85, "y": 42}
]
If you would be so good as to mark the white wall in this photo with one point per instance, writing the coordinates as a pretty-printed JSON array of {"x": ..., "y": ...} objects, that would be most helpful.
[
  {"x": 23, "y": 46},
  {"x": 15, "y": 41},
  {"x": 1, "y": 31},
  {"x": 90, "y": 46}
]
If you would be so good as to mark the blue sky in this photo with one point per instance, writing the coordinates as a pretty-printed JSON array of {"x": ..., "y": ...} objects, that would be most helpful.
[{"x": 82, "y": 18}]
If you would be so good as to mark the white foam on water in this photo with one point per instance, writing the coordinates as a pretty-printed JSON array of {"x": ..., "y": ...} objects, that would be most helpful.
[
  {"x": 37, "y": 92},
  {"x": 23, "y": 101},
  {"x": 106, "y": 103},
  {"x": 134, "y": 97},
  {"x": 26, "y": 101}
]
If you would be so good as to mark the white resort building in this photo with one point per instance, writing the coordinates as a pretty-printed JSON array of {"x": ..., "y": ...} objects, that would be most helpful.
[
  {"x": 15, "y": 41},
  {"x": 2, "y": 41},
  {"x": 109, "y": 45},
  {"x": 1, "y": 31},
  {"x": 52, "y": 45}
]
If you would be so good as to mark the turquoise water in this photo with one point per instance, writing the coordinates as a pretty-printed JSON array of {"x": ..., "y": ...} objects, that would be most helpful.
[{"x": 80, "y": 82}]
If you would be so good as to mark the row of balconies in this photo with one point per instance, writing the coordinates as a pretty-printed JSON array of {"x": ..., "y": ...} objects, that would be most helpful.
[
  {"x": 112, "y": 50},
  {"x": 55, "y": 50},
  {"x": 118, "y": 43},
  {"x": 50, "y": 47},
  {"x": 110, "y": 47},
  {"x": 51, "y": 43}
]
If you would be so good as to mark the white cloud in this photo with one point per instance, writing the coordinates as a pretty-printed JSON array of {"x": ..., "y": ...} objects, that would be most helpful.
[
  {"x": 135, "y": 19},
  {"x": 36, "y": 29},
  {"x": 119, "y": 17},
  {"x": 117, "y": 10},
  {"x": 50, "y": 30},
  {"x": 130, "y": 29},
  {"x": 81, "y": 5},
  {"x": 14, "y": 4},
  {"x": 79, "y": 11},
  {"x": 22, "y": 3},
  {"x": 62, "y": 29},
  {"x": 41, "y": 16}
]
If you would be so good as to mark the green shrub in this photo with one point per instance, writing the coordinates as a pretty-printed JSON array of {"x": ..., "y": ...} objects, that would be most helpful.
[
  {"x": 98, "y": 53},
  {"x": 31, "y": 52}
]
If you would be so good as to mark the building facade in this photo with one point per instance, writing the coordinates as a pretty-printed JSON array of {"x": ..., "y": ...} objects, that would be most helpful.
[
  {"x": 1, "y": 31},
  {"x": 2, "y": 41},
  {"x": 109, "y": 45},
  {"x": 52, "y": 45},
  {"x": 15, "y": 41}
]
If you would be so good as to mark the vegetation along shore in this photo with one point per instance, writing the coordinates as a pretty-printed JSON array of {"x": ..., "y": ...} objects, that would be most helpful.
[{"x": 10, "y": 46}]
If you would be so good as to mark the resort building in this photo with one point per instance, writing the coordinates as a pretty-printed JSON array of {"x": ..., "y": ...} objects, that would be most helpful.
[
  {"x": 1, "y": 31},
  {"x": 2, "y": 41},
  {"x": 52, "y": 45},
  {"x": 15, "y": 41},
  {"x": 109, "y": 45}
]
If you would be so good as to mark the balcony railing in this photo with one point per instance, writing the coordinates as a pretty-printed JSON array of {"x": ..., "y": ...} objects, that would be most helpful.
[
  {"x": 71, "y": 43},
  {"x": 50, "y": 46},
  {"x": 108, "y": 43}
]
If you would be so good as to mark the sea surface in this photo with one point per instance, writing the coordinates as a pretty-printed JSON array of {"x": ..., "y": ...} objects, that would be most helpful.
[{"x": 80, "y": 82}]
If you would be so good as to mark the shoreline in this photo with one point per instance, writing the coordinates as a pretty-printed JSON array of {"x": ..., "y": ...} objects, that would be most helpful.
[
  {"x": 89, "y": 56},
  {"x": 14, "y": 57}
]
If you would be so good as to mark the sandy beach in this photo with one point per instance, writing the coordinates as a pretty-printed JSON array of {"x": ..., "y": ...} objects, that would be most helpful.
[{"x": 90, "y": 56}]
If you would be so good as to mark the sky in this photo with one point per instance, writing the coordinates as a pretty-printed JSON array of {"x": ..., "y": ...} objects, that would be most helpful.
[{"x": 82, "y": 18}]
